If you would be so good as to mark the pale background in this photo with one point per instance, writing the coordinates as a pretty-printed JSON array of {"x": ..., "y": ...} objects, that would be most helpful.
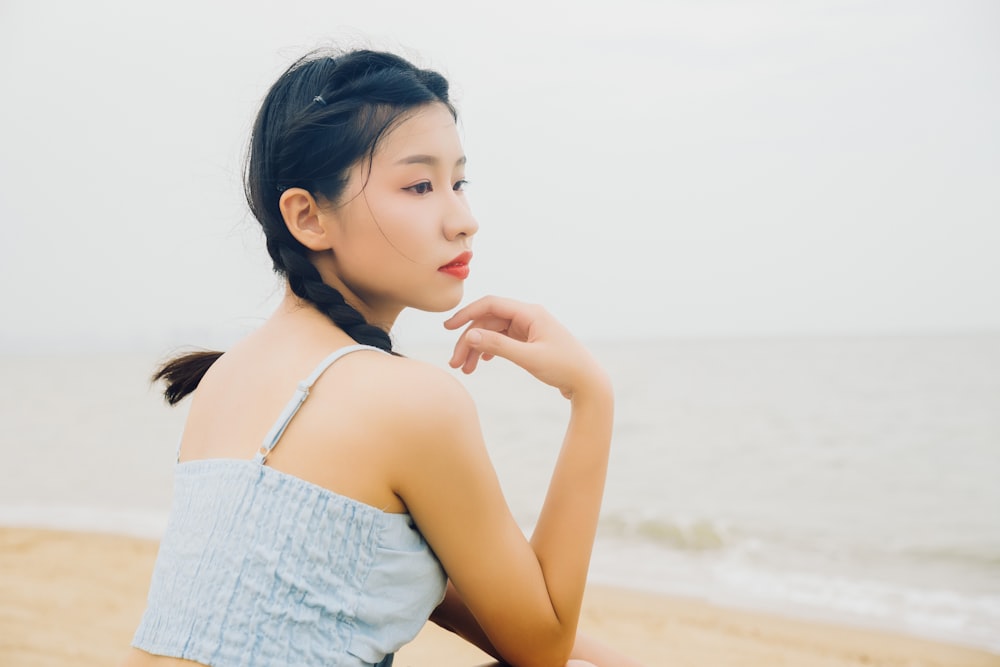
[{"x": 644, "y": 169}]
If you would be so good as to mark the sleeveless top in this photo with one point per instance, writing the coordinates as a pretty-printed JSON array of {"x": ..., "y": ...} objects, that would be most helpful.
[{"x": 259, "y": 568}]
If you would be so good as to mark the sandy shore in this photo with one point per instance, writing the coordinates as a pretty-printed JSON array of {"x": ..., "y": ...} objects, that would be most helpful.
[{"x": 73, "y": 599}]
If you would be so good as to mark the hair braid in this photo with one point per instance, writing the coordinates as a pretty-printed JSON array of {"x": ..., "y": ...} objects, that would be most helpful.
[{"x": 306, "y": 283}]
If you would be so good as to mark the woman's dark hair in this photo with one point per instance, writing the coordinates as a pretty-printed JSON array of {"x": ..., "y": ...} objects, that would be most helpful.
[{"x": 324, "y": 115}]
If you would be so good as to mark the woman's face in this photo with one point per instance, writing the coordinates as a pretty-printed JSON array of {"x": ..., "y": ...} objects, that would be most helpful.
[{"x": 399, "y": 228}]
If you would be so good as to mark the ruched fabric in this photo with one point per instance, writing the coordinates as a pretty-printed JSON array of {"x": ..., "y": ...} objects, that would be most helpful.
[{"x": 258, "y": 568}]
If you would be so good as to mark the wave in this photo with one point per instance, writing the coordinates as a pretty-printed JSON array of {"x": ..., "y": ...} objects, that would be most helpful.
[
  {"x": 947, "y": 594},
  {"x": 731, "y": 579},
  {"x": 701, "y": 535},
  {"x": 696, "y": 535},
  {"x": 945, "y": 615}
]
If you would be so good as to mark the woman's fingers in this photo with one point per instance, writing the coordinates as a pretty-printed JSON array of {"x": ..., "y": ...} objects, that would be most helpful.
[
  {"x": 491, "y": 313},
  {"x": 486, "y": 344},
  {"x": 491, "y": 321},
  {"x": 528, "y": 336},
  {"x": 487, "y": 322},
  {"x": 492, "y": 306},
  {"x": 467, "y": 353}
]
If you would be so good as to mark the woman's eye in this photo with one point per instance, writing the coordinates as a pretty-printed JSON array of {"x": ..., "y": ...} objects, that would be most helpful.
[
  {"x": 460, "y": 185},
  {"x": 421, "y": 188}
]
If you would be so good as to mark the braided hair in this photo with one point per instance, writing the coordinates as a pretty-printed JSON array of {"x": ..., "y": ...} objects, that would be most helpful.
[{"x": 324, "y": 114}]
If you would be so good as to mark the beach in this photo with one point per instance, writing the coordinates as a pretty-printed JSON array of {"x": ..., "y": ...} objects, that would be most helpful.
[
  {"x": 784, "y": 274},
  {"x": 73, "y": 599}
]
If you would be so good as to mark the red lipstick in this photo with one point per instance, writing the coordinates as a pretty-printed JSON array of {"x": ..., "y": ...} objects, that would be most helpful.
[{"x": 458, "y": 267}]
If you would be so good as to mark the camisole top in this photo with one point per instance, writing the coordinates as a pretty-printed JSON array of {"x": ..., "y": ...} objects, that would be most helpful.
[{"x": 259, "y": 568}]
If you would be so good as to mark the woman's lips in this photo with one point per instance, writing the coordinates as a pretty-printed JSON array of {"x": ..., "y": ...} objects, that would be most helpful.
[{"x": 458, "y": 267}]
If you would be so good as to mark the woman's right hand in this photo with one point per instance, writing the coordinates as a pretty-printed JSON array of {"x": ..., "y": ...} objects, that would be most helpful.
[{"x": 528, "y": 336}]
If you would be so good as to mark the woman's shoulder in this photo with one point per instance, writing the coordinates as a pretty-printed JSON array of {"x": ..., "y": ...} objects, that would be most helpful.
[
  {"x": 414, "y": 405},
  {"x": 412, "y": 385},
  {"x": 367, "y": 383}
]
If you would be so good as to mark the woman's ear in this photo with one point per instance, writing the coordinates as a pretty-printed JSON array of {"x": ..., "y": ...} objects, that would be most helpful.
[{"x": 302, "y": 217}]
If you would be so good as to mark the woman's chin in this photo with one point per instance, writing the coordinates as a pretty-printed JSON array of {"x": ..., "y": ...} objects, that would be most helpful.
[{"x": 441, "y": 304}]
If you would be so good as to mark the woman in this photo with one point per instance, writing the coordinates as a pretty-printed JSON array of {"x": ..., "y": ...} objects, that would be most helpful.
[{"x": 371, "y": 503}]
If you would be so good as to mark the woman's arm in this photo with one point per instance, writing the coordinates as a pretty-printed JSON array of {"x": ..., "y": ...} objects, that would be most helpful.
[
  {"x": 454, "y": 616},
  {"x": 525, "y": 596}
]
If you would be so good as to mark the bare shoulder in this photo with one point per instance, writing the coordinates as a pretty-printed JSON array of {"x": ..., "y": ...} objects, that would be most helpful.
[
  {"x": 417, "y": 416},
  {"x": 414, "y": 394}
]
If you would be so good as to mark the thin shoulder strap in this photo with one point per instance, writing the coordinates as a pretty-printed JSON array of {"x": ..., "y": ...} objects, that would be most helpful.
[{"x": 272, "y": 437}]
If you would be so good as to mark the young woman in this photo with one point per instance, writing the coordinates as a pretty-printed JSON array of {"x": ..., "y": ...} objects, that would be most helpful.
[{"x": 330, "y": 495}]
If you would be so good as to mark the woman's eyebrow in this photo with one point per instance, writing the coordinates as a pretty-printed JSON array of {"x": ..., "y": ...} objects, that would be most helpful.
[{"x": 430, "y": 160}]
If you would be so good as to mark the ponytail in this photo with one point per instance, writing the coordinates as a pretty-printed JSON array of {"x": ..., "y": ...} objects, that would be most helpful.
[{"x": 183, "y": 374}]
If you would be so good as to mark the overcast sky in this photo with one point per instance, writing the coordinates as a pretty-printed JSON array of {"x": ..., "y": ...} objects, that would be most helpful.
[{"x": 641, "y": 168}]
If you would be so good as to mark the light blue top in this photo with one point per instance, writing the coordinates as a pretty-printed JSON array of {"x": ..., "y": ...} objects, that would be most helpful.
[{"x": 258, "y": 568}]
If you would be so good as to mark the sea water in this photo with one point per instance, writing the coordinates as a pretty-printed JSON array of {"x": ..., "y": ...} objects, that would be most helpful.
[{"x": 854, "y": 479}]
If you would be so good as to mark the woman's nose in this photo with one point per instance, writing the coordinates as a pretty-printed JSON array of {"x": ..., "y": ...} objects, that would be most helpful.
[{"x": 460, "y": 221}]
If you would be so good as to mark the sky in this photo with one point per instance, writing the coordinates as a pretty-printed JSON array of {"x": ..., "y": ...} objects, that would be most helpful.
[{"x": 643, "y": 169}]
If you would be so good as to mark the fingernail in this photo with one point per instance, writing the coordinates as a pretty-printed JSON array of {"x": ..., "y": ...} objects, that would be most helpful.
[{"x": 474, "y": 337}]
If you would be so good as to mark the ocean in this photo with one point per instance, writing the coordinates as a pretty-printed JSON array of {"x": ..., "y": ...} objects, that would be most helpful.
[{"x": 854, "y": 479}]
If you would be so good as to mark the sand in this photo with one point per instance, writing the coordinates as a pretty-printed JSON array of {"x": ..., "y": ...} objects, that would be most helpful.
[{"x": 73, "y": 599}]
